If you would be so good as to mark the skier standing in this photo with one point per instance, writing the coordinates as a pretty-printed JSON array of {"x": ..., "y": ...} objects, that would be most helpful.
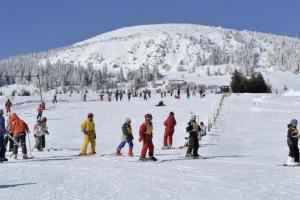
[
  {"x": 193, "y": 129},
  {"x": 54, "y": 99},
  {"x": 2, "y": 142},
  {"x": 169, "y": 123},
  {"x": 8, "y": 139},
  {"x": 39, "y": 130},
  {"x": 8, "y": 105},
  {"x": 145, "y": 135},
  {"x": 40, "y": 112},
  {"x": 292, "y": 141},
  {"x": 88, "y": 129},
  {"x": 19, "y": 129},
  {"x": 126, "y": 137}
]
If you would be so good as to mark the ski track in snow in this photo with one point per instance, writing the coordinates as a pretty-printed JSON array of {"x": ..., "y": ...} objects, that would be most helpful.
[{"x": 243, "y": 151}]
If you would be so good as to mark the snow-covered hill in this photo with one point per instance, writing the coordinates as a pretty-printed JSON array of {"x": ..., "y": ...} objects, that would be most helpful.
[
  {"x": 183, "y": 47},
  {"x": 167, "y": 51}
]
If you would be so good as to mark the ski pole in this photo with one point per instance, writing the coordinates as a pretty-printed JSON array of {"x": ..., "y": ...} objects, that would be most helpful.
[{"x": 29, "y": 145}]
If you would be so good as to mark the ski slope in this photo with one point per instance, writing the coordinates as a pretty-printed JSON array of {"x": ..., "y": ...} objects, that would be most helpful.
[{"x": 242, "y": 152}]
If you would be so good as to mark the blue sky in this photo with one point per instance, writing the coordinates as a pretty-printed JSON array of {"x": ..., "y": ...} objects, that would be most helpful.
[{"x": 34, "y": 25}]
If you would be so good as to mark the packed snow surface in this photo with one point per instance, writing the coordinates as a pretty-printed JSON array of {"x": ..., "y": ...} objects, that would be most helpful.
[{"x": 243, "y": 151}]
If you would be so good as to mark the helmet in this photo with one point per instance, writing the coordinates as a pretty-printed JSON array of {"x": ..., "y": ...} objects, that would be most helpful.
[
  {"x": 193, "y": 117},
  {"x": 128, "y": 120},
  {"x": 90, "y": 115},
  {"x": 294, "y": 122},
  {"x": 172, "y": 113},
  {"x": 44, "y": 119},
  {"x": 148, "y": 116}
]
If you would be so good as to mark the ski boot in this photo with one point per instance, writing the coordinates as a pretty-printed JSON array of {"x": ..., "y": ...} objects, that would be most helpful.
[
  {"x": 143, "y": 159},
  {"x": 130, "y": 152},
  {"x": 188, "y": 155},
  {"x": 14, "y": 156},
  {"x": 151, "y": 157},
  {"x": 195, "y": 156},
  {"x": 82, "y": 154},
  {"x": 164, "y": 147},
  {"x": 25, "y": 157},
  {"x": 118, "y": 153},
  {"x": 92, "y": 153}
]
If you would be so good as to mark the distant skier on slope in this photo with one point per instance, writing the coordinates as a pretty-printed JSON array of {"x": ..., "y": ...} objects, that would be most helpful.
[
  {"x": 8, "y": 105},
  {"x": 40, "y": 112},
  {"x": 292, "y": 141},
  {"x": 19, "y": 129},
  {"x": 126, "y": 137},
  {"x": 145, "y": 135},
  {"x": 169, "y": 123},
  {"x": 88, "y": 129},
  {"x": 2, "y": 142},
  {"x": 193, "y": 129}
]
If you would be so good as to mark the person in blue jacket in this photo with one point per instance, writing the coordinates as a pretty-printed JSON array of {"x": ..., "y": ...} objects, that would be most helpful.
[{"x": 2, "y": 141}]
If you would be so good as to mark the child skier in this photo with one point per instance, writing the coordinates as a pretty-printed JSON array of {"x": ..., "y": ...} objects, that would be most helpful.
[
  {"x": 40, "y": 112},
  {"x": 19, "y": 129},
  {"x": 88, "y": 129},
  {"x": 292, "y": 141},
  {"x": 193, "y": 129},
  {"x": 169, "y": 123},
  {"x": 145, "y": 135},
  {"x": 39, "y": 131},
  {"x": 126, "y": 137}
]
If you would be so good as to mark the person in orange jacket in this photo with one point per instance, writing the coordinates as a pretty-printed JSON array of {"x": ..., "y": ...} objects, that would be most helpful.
[
  {"x": 19, "y": 129},
  {"x": 145, "y": 135},
  {"x": 169, "y": 123}
]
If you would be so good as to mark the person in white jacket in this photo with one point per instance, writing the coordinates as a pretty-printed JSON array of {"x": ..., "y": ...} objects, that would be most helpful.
[{"x": 39, "y": 131}]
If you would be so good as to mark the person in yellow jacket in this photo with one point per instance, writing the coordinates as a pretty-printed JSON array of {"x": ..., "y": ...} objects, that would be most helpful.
[{"x": 88, "y": 129}]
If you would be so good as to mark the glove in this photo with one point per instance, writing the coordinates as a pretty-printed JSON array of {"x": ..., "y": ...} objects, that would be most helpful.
[
  {"x": 84, "y": 132},
  {"x": 47, "y": 132},
  {"x": 141, "y": 138},
  {"x": 34, "y": 136},
  {"x": 95, "y": 136}
]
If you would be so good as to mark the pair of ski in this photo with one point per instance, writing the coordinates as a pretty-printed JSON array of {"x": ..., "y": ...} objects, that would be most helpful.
[{"x": 16, "y": 143}]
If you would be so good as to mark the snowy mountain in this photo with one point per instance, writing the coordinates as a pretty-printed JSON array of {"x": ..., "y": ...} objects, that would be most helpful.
[
  {"x": 182, "y": 47},
  {"x": 172, "y": 51}
]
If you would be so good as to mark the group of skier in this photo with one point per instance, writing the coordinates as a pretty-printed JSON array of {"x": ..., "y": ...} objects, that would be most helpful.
[
  {"x": 15, "y": 131},
  {"x": 195, "y": 131}
]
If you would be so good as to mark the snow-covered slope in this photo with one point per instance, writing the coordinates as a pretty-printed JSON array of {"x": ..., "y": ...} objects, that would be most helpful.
[{"x": 242, "y": 152}]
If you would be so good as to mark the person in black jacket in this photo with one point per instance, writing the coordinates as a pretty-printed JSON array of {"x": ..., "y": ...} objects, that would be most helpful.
[
  {"x": 292, "y": 142},
  {"x": 193, "y": 129},
  {"x": 2, "y": 142}
]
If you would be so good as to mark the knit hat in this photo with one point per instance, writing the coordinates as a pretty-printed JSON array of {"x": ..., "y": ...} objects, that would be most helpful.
[
  {"x": 294, "y": 122},
  {"x": 128, "y": 120}
]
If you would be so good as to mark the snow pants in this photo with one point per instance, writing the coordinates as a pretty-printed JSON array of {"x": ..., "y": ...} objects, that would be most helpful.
[
  {"x": 88, "y": 138},
  {"x": 8, "y": 109},
  {"x": 122, "y": 144},
  {"x": 20, "y": 138},
  {"x": 39, "y": 115},
  {"x": 294, "y": 150},
  {"x": 38, "y": 143},
  {"x": 147, "y": 144},
  {"x": 168, "y": 138},
  {"x": 2, "y": 147},
  {"x": 193, "y": 143}
]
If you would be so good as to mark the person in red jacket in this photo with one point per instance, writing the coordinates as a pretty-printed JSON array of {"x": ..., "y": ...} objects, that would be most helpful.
[
  {"x": 8, "y": 105},
  {"x": 145, "y": 135},
  {"x": 169, "y": 123}
]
